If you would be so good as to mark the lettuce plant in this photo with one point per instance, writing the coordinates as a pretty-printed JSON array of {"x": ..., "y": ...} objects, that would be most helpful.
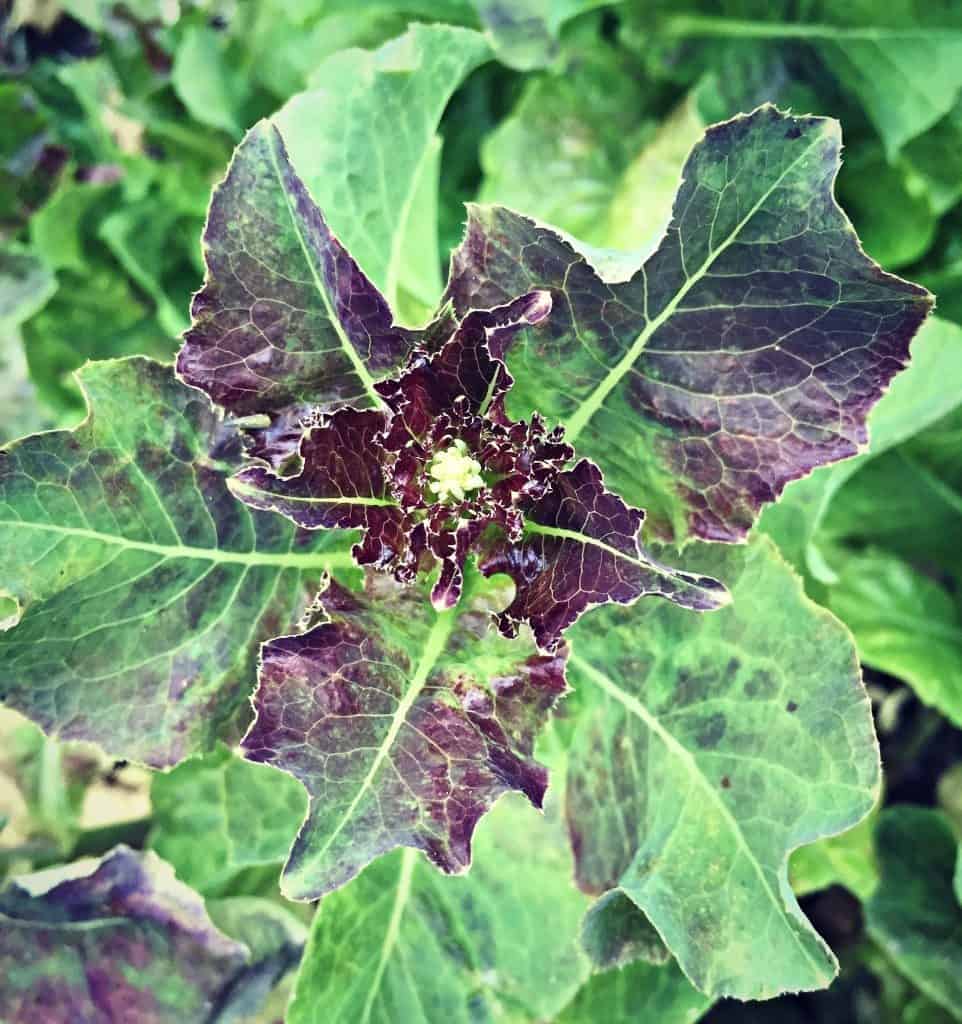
[{"x": 401, "y": 531}]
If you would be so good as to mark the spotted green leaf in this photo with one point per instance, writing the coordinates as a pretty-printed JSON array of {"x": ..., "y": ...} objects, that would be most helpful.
[
  {"x": 715, "y": 745},
  {"x": 144, "y": 586}
]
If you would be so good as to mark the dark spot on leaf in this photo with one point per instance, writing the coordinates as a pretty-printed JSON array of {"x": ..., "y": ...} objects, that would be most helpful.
[
  {"x": 761, "y": 684},
  {"x": 726, "y": 782},
  {"x": 793, "y": 131},
  {"x": 791, "y": 706},
  {"x": 711, "y": 731}
]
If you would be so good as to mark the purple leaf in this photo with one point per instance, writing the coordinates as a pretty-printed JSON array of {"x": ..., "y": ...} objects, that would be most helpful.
[
  {"x": 342, "y": 484},
  {"x": 404, "y": 724},
  {"x": 746, "y": 351},
  {"x": 285, "y": 316},
  {"x": 116, "y": 940},
  {"x": 582, "y": 547}
]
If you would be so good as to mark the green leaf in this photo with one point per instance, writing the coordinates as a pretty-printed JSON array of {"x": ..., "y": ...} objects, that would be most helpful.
[
  {"x": 848, "y": 859},
  {"x": 138, "y": 574},
  {"x": 362, "y": 136},
  {"x": 403, "y": 943},
  {"x": 914, "y": 915},
  {"x": 207, "y": 82},
  {"x": 248, "y": 815},
  {"x": 718, "y": 744},
  {"x": 616, "y": 932},
  {"x": 903, "y": 61},
  {"x": 428, "y": 717},
  {"x": 918, "y": 397},
  {"x": 561, "y": 152},
  {"x": 26, "y": 284},
  {"x": 746, "y": 350},
  {"x": 525, "y": 33},
  {"x": 276, "y": 940},
  {"x": 641, "y": 992},
  {"x": 904, "y": 624}
]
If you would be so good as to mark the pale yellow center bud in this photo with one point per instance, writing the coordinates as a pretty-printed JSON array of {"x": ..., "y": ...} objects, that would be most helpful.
[{"x": 454, "y": 472}]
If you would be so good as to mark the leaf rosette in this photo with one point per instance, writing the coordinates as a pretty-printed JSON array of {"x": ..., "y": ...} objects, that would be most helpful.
[{"x": 435, "y": 470}]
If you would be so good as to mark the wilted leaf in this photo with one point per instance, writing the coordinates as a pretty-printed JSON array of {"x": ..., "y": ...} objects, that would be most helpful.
[
  {"x": 404, "y": 725},
  {"x": 718, "y": 744},
  {"x": 746, "y": 351},
  {"x": 138, "y": 574},
  {"x": 915, "y": 915},
  {"x": 115, "y": 939}
]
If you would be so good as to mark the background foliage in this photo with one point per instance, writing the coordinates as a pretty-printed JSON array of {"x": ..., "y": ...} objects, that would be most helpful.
[{"x": 115, "y": 122}]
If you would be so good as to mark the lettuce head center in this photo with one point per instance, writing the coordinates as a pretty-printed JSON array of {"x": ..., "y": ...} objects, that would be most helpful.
[{"x": 454, "y": 472}]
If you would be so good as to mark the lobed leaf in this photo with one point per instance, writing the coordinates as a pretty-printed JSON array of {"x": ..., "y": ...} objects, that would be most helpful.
[
  {"x": 746, "y": 351},
  {"x": 711, "y": 751},
  {"x": 138, "y": 574},
  {"x": 583, "y": 548},
  {"x": 403, "y": 724}
]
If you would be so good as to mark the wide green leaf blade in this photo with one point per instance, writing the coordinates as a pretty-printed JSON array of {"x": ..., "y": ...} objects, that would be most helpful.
[
  {"x": 248, "y": 815},
  {"x": 718, "y": 744},
  {"x": 403, "y": 943},
  {"x": 145, "y": 587},
  {"x": 362, "y": 135},
  {"x": 914, "y": 915}
]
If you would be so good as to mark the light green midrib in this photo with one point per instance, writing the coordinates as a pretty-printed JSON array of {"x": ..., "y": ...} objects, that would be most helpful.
[
  {"x": 433, "y": 649},
  {"x": 391, "y": 935},
  {"x": 580, "y": 538},
  {"x": 635, "y": 707},
  {"x": 349, "y": 350},
  {"x": 307, "y": 560},
  {"x": 239, "y": 487},
  {"x": 583, "y": 414},
  {"x": 707, "y": 25}
]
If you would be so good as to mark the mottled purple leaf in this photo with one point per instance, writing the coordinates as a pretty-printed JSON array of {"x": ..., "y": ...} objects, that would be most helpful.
[
  {"x": 746, "y": 351},
  {"x": 119, "y": 939},
  {"x": 582, "y": 547},
  {"x": 285, "y": 316},
  {"x": 404, "y": 725}
]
